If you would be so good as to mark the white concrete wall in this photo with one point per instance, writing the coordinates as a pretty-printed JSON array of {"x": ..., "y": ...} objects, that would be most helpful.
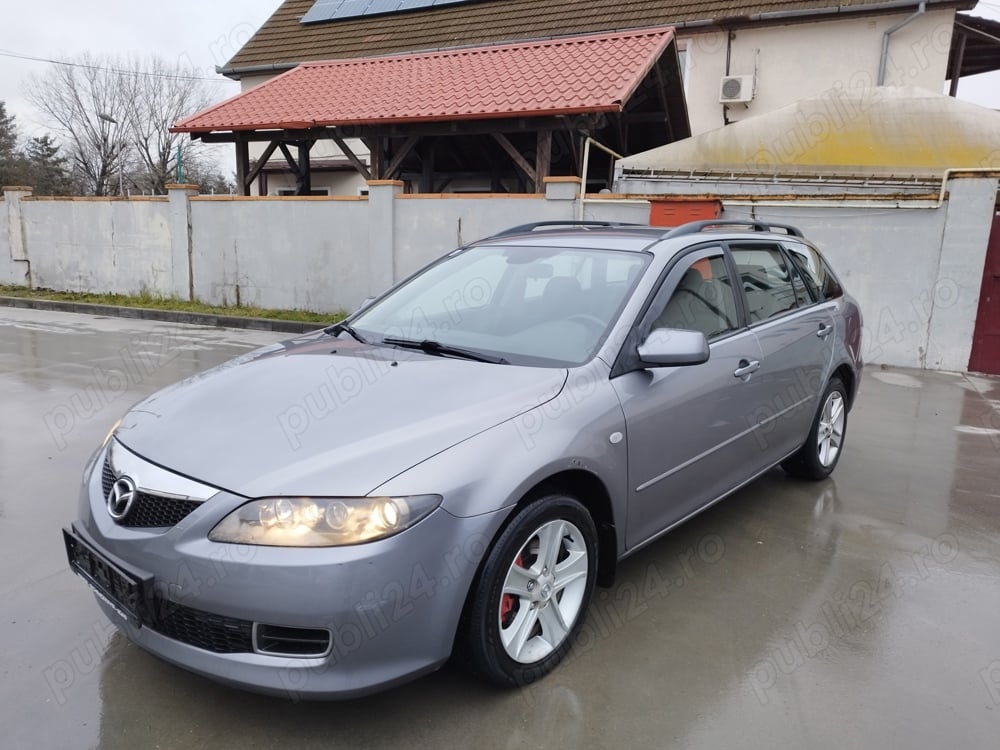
[
  {"x": 914, "y": 267},
  {"x": 98, "y": 245},
  {"x": 285, "y": 253},
  {"x": 6, "y": 261},
  {"x": 916, "y": 272},
  {"x": 802, "y": 60},
  {"x": 428, "y": 227}
]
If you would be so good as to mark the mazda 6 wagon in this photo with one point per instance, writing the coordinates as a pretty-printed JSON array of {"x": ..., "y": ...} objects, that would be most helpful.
[{"x": 452, "y": 469}]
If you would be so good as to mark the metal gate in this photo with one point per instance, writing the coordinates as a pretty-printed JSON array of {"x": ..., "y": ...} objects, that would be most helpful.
[{"x": 986, "y": 340}]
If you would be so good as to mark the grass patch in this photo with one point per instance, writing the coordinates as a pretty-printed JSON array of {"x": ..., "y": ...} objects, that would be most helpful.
[{"x": 153, "y": 302}]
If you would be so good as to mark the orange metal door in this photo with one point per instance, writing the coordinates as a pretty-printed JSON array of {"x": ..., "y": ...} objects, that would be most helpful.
[{"x": 986, "y": 340}]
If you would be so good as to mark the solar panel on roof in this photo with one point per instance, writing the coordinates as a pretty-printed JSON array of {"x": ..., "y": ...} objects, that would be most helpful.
[
  {"x": 338, "y": 10},
  {"x": 351, "y": 9},
  {"x": 378, "y": 7},
  {"x": 322, "y": 10}
]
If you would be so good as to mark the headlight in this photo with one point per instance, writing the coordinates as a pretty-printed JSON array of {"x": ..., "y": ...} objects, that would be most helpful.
[{"x": 321, "y": 522}]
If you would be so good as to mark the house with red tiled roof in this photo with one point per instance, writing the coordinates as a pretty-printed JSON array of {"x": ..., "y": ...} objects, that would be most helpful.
[{"x": 497, "y": 95}]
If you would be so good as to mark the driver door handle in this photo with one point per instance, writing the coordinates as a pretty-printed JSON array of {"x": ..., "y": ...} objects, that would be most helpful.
[
  {"x": 746, "y": 367},
  {"x": 824, "y": 330}
]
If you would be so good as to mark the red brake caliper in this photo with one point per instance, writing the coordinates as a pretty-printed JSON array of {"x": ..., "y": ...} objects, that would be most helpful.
[{"x": 508, "y": 602}]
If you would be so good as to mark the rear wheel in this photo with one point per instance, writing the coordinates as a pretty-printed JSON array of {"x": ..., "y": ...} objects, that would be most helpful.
[
  {"x": 819, "y": 456},
  {"x": 531, "y": 595}
]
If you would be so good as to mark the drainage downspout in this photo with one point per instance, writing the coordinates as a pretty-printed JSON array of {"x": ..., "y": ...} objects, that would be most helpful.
[{"x": 889, "y": 32}]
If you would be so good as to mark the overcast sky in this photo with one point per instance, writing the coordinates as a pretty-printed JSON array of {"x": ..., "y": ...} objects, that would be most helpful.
[{"x": 201, "y": 33}]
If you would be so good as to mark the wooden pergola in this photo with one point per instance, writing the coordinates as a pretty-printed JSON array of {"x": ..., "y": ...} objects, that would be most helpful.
[{"x": 623, "y": 90}]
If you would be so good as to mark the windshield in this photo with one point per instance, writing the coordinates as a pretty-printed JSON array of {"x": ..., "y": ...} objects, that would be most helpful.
[{"x": 527, "y": 305}]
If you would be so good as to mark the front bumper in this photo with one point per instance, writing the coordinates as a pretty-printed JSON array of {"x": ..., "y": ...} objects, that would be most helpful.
[{"x": 388, "y": 609}]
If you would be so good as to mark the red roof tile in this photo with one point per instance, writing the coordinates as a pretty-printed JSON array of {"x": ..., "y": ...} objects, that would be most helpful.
[{"x": 554, "y": 77}]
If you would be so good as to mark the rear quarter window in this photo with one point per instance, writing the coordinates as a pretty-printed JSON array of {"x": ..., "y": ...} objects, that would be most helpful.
[{"x": 815, "y": 270}]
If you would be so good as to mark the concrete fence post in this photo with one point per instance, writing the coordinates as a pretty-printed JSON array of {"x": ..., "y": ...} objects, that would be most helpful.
[
  {"x": 953, "y": 299},
  {"x": 18, "y": 265},
  {"x": 382, "y": 234},
  {"x": 181, "y": 250},
  {"x": 562, "y": 188}
]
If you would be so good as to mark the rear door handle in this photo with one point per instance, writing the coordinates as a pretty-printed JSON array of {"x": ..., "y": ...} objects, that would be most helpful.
[
  {"x": 824, "y": 330},
  {"x": 746, "y": 367}
]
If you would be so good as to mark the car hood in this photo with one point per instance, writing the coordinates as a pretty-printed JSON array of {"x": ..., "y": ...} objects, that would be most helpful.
[{"x": 321, "y": 416}]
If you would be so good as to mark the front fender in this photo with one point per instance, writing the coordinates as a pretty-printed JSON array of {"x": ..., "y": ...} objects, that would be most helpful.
[{"x": 583, "y": 429}]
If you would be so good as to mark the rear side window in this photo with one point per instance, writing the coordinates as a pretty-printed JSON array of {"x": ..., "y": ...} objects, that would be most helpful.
[
  {"x": 766, "y": 280},
  {"x": 814, "y": 269}
]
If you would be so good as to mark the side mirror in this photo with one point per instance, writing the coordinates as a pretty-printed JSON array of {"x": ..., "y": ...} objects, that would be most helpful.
[
  {"x": 671, "y": 347},
  {"x": 367, "y": 301}
]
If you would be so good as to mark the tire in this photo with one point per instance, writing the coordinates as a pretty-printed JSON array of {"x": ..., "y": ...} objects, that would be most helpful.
[
  {"x": 504, "y": 634},
  {"x": 822, "y": 450}
]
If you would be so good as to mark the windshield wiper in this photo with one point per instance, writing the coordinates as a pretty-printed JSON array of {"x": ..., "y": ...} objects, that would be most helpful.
[
  {"x": 339, "y": 328},
  {"x": 436, "y": 347}
]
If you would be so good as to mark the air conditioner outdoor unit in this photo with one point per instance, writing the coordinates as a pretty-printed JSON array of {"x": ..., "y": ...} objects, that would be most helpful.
[{"x": 736, "y": 89}]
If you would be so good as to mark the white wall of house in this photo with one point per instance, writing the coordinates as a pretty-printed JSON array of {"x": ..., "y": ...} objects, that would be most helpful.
[
  {"x": 335, "y": 183},
  {"x": 914, "y": 265},
  {"x": 800, "y": 60}
]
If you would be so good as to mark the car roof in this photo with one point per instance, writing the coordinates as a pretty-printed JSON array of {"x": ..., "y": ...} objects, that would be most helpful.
[{"x": 636, "y": 237}]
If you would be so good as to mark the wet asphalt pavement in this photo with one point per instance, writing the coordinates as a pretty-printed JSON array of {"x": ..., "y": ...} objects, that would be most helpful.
[{"x": 863, "y": 611}]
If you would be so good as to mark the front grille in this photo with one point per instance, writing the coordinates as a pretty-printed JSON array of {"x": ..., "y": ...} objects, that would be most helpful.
[
  {"x": 107, "y": 476},
  {"x": 222, "y": 635},
  {"x": 153, "y": 511},
  {"x": 149, "y": 510}
]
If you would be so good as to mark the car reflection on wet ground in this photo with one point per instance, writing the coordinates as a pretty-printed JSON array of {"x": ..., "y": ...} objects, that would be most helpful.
[{"x": 859, "y": 611}]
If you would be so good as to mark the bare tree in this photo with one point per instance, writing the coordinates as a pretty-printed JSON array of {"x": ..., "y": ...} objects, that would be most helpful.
[
  {"x": 115, "y": 114},
  {"x": 162, "y": 95}
]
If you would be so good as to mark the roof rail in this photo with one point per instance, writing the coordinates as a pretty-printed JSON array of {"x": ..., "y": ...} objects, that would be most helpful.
[
  {"x": 694, "y": 227},
  {"x": 525, "y": 228}
]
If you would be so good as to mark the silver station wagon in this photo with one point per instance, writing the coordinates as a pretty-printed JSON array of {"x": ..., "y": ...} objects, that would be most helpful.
[{"x": 452, "y": 469}]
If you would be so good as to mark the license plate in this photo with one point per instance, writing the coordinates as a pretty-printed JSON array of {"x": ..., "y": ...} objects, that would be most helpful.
[{"x": 122, "y": 590}]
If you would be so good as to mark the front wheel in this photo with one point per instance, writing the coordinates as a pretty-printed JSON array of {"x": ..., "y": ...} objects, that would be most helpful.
[
  {"x": 819, "y": 456},
  {"x": 531, "y": 596}
]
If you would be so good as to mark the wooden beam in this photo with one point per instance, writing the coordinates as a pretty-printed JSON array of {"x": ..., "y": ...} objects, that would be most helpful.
[
  {"x": 356, "y": 162},
  {"x": 262, "y": 161},
  {"x": 288, "y": 157},
  {"x": 400, "y": 156},
  {"x": 515, "y": 155}
]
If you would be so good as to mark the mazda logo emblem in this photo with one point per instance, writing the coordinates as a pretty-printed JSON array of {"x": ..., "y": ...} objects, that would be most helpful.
[{"x": 120, "y": 498}]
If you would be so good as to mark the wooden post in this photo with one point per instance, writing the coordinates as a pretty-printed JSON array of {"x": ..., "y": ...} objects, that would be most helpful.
[
  {"x": 242, "y": 164},
  {"x": 376, "y": 147},
  {"x": 304, "y": 182},
  {"x": 958, "y": 57},
  {"x": 543, "y": 159}
]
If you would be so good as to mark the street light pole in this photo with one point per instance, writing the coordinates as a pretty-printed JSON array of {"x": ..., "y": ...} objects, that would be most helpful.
[{"x": 121, "y": 177}]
